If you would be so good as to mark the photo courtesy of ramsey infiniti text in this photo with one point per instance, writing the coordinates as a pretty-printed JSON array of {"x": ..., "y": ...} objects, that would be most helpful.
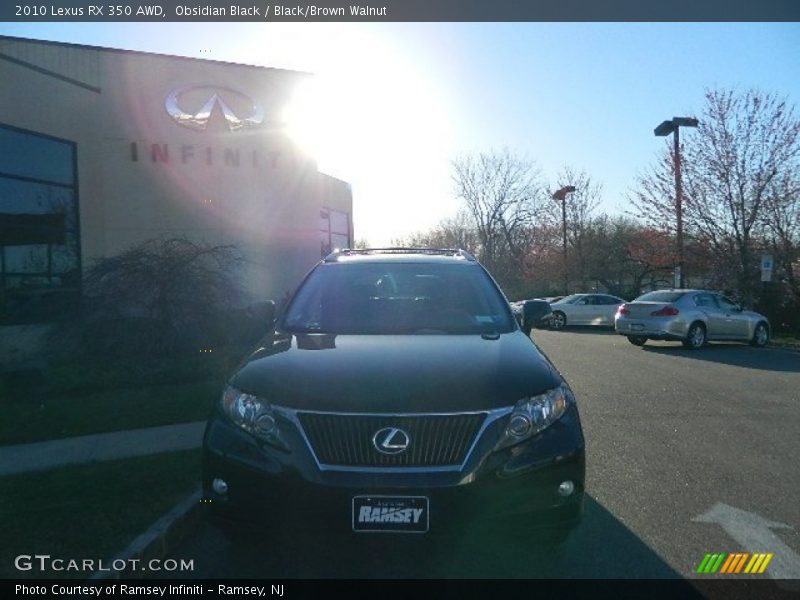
[{"x": 397, "y": 392}]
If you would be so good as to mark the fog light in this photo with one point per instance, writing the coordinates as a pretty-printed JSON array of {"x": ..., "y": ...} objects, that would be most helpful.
[
  {"x": 219, "y": 486},
  {"x": 565, "y": 488},
  {"x": 519, "y": 425}
]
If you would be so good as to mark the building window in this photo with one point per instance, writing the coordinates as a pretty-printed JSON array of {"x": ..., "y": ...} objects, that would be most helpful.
[
  {"x": 40, "y": 267},
  {"x": 334, "y": 230}
]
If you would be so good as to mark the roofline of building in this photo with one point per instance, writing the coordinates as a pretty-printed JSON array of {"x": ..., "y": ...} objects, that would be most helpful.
[
  {"x": 145, "y": 53},
  {"x": 336, "y": 179}
]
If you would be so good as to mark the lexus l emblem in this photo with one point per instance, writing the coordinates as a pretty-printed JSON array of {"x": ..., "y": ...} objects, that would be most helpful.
[
  {"x": 220, "y": 97},
  {"x": 391, "y": 440}
]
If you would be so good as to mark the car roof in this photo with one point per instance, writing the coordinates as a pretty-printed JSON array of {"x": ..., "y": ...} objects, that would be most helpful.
[{"x": 439, "y": 255}]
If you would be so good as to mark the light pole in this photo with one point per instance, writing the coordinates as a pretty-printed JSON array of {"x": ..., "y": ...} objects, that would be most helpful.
[
  {"x": 562, "y": 195},
  {"x": 662, "y": 130}
]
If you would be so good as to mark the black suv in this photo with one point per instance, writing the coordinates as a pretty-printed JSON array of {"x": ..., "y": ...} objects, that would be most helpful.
[{"x": 397, "y": 393}]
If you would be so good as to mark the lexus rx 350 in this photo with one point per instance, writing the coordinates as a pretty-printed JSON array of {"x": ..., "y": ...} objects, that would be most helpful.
[{"x": 397, "y": 393}]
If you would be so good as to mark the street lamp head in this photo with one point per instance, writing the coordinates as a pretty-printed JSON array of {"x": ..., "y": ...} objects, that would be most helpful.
[
  {"x": 562, "y": 193},
  {"x": 668, "y": 127},
  {"x": 664, "y": 129},
  {"x": 685, "y": 122}
]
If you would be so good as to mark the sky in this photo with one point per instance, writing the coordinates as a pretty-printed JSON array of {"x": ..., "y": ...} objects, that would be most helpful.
[{"x": 402, "y": 100}]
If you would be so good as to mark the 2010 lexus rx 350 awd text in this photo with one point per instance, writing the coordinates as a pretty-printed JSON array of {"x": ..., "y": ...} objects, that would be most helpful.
[{"x": 397, "y": 393}]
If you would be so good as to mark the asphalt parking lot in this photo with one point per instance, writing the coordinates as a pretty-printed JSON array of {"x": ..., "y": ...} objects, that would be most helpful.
[{"x": 688, "y": 453}]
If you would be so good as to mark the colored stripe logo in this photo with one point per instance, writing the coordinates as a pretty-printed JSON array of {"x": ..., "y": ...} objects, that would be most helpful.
[{"x": 734, "y": 563}]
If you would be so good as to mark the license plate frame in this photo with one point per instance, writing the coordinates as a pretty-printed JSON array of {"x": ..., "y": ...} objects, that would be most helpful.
[{"x": 391, "y": 515}]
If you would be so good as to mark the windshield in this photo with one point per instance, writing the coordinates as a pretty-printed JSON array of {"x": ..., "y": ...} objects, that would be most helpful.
[
  {"x": 390, "y": 298},
  {"x": 659, "y": 297},
  {"x": 569, "y": 299}
]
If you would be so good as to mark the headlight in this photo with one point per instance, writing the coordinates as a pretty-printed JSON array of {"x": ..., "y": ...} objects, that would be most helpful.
[
  {"x": 532, "y": 415},
  {"x": 252, "y": 414}
]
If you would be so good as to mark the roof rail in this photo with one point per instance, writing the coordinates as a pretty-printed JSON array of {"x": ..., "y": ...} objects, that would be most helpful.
[{"x": 334, "y": 256}]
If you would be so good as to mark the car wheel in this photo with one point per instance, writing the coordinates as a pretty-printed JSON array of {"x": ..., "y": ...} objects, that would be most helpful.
[
  {"x": 559, "y": 320},
  {"x": 696, "y": 336},
  {"x": 637, "y": 340},
  {"x": 760, "y": 336}
]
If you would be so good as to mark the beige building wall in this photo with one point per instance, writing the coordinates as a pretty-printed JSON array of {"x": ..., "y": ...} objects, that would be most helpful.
[{"x": 142, "y": 175}]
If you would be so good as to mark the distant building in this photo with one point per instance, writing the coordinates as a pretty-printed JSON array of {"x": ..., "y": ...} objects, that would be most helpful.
[{"x": 101, "y": 149}]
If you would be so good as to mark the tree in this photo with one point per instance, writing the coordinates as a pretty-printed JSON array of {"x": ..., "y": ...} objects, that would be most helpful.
[
  {"x": 782, "y": 226},
  {"x": 746, "y": 144},
  {"x": 621, "y": 255},
  {"x": 454, "y": 232},
  {"x": 501, "y": 194},
  {"x": 157, "y": 298}
]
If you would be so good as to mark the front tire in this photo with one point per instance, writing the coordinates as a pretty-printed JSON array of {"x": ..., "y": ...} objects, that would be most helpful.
[
  {"x": 695, "y": 337},
  {"x": 760, "y": 335},
  {"x": 637, "y": 340},
  {"x": 559, "y": 320}
]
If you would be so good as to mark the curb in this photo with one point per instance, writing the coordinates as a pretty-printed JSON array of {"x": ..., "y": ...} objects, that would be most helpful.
[
  {"x": 99, "y": 447},
  {"x": 159, "y": 539}
]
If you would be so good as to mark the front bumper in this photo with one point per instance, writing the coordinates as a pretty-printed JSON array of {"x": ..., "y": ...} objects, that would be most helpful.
[{"x": 515, "y": 487}]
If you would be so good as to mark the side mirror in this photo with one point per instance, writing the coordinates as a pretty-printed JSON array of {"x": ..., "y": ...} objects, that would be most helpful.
[{"x": 532, "y": 312}]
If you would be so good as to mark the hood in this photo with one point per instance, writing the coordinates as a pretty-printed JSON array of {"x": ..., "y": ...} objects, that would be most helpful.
[{"x": 396, "y": 373}]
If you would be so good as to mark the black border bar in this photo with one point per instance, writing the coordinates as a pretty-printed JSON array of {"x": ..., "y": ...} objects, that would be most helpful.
[
  {"x": 594, "y": 589},
  {"x": 399, "y": 11}
]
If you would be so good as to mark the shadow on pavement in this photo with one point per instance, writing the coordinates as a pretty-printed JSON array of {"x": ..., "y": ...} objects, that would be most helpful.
[
  {"x": 738, "y": 355},
  {"x": 595, "y": 329},
  {"x": 602, "y": 547}
]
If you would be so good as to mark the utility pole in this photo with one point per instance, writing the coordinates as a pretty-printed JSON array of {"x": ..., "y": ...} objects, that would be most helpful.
[
  {"x": 664, "y": 129},
  {"x": 678, "y": 204},
  {"x": 562, "y": 196}
]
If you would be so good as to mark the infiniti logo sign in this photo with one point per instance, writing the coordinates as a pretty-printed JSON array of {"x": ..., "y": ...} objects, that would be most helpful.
[
  {"x": 391, "y": 440},
  {"x": 251, "y": 114}
]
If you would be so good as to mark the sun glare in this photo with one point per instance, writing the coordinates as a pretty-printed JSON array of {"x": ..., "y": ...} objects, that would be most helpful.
[{"x": 371, "y": 117}]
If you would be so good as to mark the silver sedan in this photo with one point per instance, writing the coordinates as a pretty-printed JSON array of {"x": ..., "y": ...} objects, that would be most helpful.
[
  {"x": 584, "y": 309},
  {"x": 689, "y": 316}
]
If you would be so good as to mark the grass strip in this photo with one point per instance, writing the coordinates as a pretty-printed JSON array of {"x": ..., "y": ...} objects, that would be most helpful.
[
  {"x": 89, "y": 511},
  {"x": 32, "y": 419}
]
